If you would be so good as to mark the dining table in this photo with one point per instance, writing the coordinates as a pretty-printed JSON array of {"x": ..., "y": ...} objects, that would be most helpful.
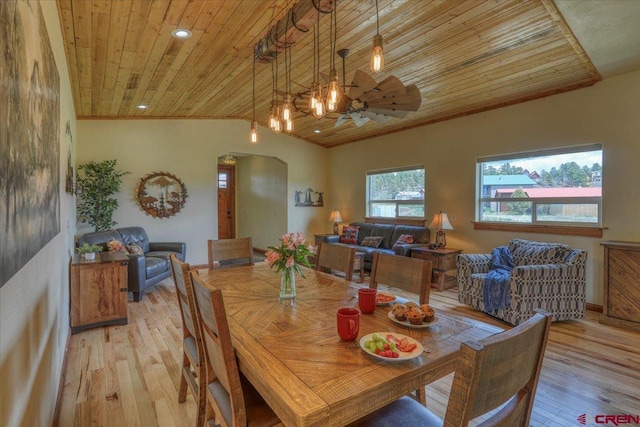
[{"x": 291, "y": 352}]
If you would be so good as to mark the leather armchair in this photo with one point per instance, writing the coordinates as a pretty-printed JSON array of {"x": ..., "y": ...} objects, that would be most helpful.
[{"x": 143, "y": 270}]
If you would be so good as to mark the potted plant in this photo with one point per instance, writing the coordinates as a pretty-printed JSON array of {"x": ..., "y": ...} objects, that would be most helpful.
[
  {"x": 99, "y": 183},
  {"x": 88, "y": 252}
]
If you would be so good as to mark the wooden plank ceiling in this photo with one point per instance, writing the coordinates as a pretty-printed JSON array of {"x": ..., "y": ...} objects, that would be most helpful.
[{"x": 464, "y": 57}]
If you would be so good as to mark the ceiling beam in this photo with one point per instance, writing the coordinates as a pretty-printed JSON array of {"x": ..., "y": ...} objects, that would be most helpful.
[{"x": 299, "y": 19}]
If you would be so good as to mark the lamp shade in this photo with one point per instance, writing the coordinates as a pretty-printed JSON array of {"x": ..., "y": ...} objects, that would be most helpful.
[
  {"x": 335, "y": 216},
  {"x": 441, "y": 222}
]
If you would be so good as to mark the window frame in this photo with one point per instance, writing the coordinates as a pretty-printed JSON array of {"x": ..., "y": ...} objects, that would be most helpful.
[
  {"x": 398, "y": 202},
  {"x": 538, "y": 225}
]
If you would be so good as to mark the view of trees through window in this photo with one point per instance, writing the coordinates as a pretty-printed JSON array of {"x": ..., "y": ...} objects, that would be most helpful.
[
  {"x": 396, "y": 193},
  {"x": 560, "y": 188}
]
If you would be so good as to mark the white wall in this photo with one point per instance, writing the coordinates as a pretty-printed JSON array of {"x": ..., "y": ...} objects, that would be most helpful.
[
  {"x": 606, "y": 113},
  {"x": 189, "y": 149},
  {"x": 34, "y": 303},
  {"x": 261, "y": 187}
]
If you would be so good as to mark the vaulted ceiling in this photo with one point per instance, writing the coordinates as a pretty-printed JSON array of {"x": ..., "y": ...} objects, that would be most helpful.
[{"x": 463, "y": 56}]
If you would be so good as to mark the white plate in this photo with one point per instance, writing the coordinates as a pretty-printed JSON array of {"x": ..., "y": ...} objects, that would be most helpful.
[
  {"x": 409, "y": 325},
  {"x": 386, "y": 302},
  {"x": 403, "y": 355}
]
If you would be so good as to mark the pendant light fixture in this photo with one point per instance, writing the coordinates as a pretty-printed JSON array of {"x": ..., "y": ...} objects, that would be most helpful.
[
  {"x": 274, "y": 118},
  {"x": 287, "y": 109},
  {"x": 377, "y": 58},
  {"x": 317, "y": 102},
  {"x": 254, "y": 124},
  {"x": 334, "y": 91}
]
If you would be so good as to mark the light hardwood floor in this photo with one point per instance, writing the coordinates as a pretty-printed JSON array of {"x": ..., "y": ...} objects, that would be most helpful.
[{"x": 129, "y": 375}]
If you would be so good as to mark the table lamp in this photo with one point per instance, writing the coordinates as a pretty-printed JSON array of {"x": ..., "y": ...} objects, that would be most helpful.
[
  {"x": 335, "y": 218},
  {"x": 441, "y": 222}
]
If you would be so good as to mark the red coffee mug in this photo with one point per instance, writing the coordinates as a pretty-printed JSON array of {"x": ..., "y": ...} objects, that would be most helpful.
[
  {"x": 367, "y": 300},
  {"x": 348, "y": 321}
]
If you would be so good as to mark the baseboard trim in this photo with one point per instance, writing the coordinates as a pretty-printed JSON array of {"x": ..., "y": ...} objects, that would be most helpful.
[
  {"x": 63, "y": 375},
  {"x": 595, "y": 307}
]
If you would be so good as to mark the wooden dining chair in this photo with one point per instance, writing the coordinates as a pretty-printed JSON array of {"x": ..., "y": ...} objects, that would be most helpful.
[
  {"x": 332, "y": 257},
  {"x": 193, "y": 370},
  {"x": 225, "y": 253},
  {"x": 502, "y": 370},
  {"x": 231, "y": 399},
  {"x": 410, "y": 274}
]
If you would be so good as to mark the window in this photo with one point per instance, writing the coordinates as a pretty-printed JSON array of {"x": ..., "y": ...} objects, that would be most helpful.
[
  {"x": 547, "y": 187},
  {"x": 396, "y": 193}
]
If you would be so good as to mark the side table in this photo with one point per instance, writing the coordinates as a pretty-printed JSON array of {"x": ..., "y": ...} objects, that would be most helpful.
[
  {"x": 443, "y": 261},
  {"x": 98, "y": 294}
]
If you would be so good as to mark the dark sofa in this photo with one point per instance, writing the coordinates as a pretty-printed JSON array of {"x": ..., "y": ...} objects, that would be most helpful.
[
  {"x": 144, "y": 270},
  {"x": 390, "y": 234}
]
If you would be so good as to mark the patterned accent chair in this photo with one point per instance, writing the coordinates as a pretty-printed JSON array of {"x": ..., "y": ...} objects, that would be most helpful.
[{"x": 549, "y": 276}]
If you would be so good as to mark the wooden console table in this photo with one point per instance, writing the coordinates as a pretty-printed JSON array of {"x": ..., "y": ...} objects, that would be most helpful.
[
  {"x": 621, "y": 285},
  {"x": 443, "y": 260},
  {"x": 98, "y": 294}
]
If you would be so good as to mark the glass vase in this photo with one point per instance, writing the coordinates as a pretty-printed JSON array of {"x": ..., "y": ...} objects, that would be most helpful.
[{"x": 288, "y": 283}]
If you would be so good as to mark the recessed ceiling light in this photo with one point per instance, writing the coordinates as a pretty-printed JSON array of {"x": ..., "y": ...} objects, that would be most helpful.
[
  {"x": 181, "y": 33},
  {"x": 142, "y": 107},
  {"x": 317, "y": 130}
]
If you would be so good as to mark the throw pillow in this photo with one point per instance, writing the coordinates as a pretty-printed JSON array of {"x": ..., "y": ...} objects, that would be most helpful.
[
  {"x": 135, "y": 249},
  {"x": 349, "y": 234},
  {"x": 115, "y": 246},
  {"x": 372, "y": 241},
  {"x": 404, "y": 239}
]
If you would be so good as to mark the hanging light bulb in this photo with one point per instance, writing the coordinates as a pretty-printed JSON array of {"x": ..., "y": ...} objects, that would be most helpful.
[
  {"x": 273, "y": 116},
  {"x": 287, "y": 109},
  {"x": 277, "y": 123},
  {"x": 334, "y": 92},
  {"x": 377, "y": 58},
  {"x": 319, "y": 110},
  {"x": 254, "y": 132},
  {"x": 312, "y": 97},
  {"x": 253, "y": 136},
  {"x": 288, "y": 125}
]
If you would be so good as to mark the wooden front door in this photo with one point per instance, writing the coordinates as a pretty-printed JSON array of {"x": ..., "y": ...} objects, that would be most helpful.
[{"x": 226, "y": 202}]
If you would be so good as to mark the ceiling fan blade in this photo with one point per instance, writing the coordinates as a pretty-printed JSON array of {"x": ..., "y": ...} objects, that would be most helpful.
[
  {"x": 378, "y": 118},
  {"x": 344, "y": 104},
  {"x": 389, "y": 112},
  {"x": 362, "y": 82},
  {"x": 390, "y": 86},
  {"x": 409, "y": 101},
  {"x": 358, "y": 119},
  {"x": 341, "y": 119}
]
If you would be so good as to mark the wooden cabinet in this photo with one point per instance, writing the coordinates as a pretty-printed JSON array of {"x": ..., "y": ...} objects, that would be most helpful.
[
  {"x": 443, "y": 262},
  {"x": 98, "y": 291},
  {"x": 621, "y": 285}
]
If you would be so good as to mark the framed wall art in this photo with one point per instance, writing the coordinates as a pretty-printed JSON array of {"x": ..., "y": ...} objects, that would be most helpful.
[
  {"x": 309, "y": 198},
  {"x": 161, "y": 194}
]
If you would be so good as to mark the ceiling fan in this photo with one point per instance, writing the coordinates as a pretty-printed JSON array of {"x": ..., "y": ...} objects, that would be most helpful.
[{"x": 366, "y": 99}]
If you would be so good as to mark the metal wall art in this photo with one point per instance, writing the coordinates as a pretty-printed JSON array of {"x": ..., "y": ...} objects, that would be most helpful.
[
  {"x": 309, "y": 198},
  {"x": 161, "y": 194}
]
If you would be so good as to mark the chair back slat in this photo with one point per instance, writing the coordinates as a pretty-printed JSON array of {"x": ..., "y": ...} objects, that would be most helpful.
[
  {"x": 186, "y": 298},
  {"x": 335, "y": 257},
  {"x": 410, "y": 274},
  {"x": 223, "y": 374},
  {"x": 502, "y": 368},
  {"x": 230, "y": 250}
]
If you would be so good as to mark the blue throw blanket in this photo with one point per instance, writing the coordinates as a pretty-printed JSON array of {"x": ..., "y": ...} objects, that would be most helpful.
[{"x": 495, "y": 292}]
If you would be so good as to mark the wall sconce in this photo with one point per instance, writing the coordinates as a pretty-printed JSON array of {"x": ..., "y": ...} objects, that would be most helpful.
[
  {"x": 335, "y": 218},
  {"x": 441, "y": 222}
]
